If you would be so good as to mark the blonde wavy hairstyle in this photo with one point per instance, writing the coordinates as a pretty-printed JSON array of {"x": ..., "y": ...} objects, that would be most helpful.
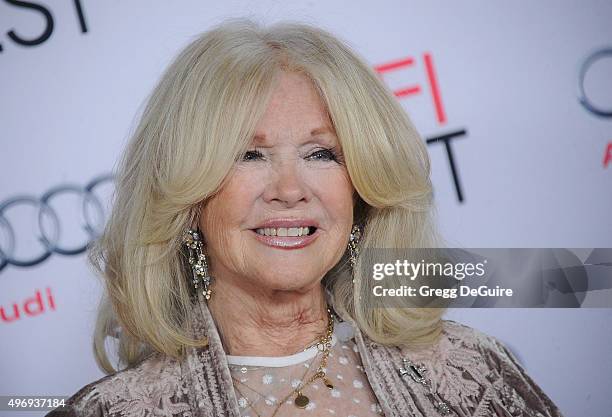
[{"x": 197, "y": 122}]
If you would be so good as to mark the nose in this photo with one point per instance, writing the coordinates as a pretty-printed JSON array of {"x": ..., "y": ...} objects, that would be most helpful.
[{"x": 286, "y": 185}]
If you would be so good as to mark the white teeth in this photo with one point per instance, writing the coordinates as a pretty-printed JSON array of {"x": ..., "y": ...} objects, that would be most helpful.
[{"x": 283, "y": 231}]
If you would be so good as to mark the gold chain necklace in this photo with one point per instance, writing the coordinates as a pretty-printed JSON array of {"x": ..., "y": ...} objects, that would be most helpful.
[
  {"x": 252, "y": 404},
  {"x": 301, "y": 400}
]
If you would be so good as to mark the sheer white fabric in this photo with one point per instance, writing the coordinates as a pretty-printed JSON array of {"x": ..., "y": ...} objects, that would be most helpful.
[{"x": 261, "y": 383}]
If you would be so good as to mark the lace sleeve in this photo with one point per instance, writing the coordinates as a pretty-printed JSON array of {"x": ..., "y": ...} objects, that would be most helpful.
[{"x": 518, "y": 395}]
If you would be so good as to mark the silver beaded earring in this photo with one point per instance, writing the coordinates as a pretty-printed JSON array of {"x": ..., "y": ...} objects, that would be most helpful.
[
  {"x": 197, "y": 260},
  {"x": 354, "y": 239}
]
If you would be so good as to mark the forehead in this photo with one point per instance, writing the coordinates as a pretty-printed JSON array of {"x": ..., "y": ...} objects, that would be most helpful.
[
  {"x": 326, "y": 130},
  {"x": 295, "y": 108}
]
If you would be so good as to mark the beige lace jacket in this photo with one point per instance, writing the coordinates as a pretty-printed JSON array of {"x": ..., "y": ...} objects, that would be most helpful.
[{"x": 473, "y": 373}]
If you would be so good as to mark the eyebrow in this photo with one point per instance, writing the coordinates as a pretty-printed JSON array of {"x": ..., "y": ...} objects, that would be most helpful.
[{"x": 313, "y": 132}]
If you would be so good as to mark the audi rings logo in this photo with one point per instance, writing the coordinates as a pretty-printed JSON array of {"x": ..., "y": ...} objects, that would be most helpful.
[
  {"x": 45, "y": 231},
  {"x": 586, "y": 102}
]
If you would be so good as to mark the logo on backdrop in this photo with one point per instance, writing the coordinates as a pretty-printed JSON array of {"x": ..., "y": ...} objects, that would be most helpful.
[
  {"x": 595, "y": 58},
  {"x": 591, "y": 60},
  {"x": 46, "y": 30},
  {"x": 48, "y": 228},
  {"x": 445, "y": 139},
  {"x": 32, "y": 306}
]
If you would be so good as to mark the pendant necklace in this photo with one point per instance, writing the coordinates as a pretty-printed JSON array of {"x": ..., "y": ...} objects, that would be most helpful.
[{"x": 301, "y": 400}]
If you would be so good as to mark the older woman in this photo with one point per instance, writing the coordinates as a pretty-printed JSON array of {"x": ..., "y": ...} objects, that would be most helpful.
[{"x": 265, "y": 160}]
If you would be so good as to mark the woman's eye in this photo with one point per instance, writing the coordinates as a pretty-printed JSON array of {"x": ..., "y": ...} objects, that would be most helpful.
[
  {"x": 323, "y": 154},
  {"x": 319, "y": 155},
  {"x": 251, "y": 155}
]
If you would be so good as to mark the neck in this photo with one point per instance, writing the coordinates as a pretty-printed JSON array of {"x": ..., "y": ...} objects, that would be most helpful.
[{"x": 258, "y": 322}]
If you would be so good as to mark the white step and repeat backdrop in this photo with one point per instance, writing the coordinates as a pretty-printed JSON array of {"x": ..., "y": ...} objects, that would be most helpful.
[{"x": 513, "y": 98}]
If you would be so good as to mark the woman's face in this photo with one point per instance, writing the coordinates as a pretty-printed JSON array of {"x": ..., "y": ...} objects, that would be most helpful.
[{"x": 292, "y": 176}]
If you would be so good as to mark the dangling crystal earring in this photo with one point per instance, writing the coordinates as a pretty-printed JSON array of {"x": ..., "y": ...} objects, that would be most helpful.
[
  {"x": 197, "y": 260},
  {"x": 353, "y": 248}
]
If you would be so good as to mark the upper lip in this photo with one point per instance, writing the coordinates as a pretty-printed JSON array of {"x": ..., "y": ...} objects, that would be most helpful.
[{"x": 273, "y": 223}]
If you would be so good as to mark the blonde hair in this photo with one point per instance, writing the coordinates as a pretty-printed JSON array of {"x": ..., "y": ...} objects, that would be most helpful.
[{"x": 198, "y": 120}]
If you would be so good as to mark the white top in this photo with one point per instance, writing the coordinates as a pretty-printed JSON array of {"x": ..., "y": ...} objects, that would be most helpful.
[
  {"x": 278, "y": 361},
  {"x": 261, "y": 382}
]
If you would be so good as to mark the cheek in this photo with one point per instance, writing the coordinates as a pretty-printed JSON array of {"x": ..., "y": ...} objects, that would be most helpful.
[
  {"x": 227, "y": 210},
  {"x": 336, "y": 193},
  {"x": 212, "y": 224}
]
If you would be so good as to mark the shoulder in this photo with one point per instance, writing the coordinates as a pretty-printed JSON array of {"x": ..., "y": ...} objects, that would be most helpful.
[
  {"x": 474, "y": 371},
  {"x": 129, "y": 391},
  {"x": 458, "y": 331},
  {"x": 468, "y": 369},
  {"x": 468, "y": 348},
  {"x": 464, "y": 350},
  {"x": 462, "y": 336}
]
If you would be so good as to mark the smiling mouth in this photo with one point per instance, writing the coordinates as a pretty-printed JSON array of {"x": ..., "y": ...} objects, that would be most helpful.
[
  {"x": 287, "y": 237},
  {"x": 286, "y": 231}
]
